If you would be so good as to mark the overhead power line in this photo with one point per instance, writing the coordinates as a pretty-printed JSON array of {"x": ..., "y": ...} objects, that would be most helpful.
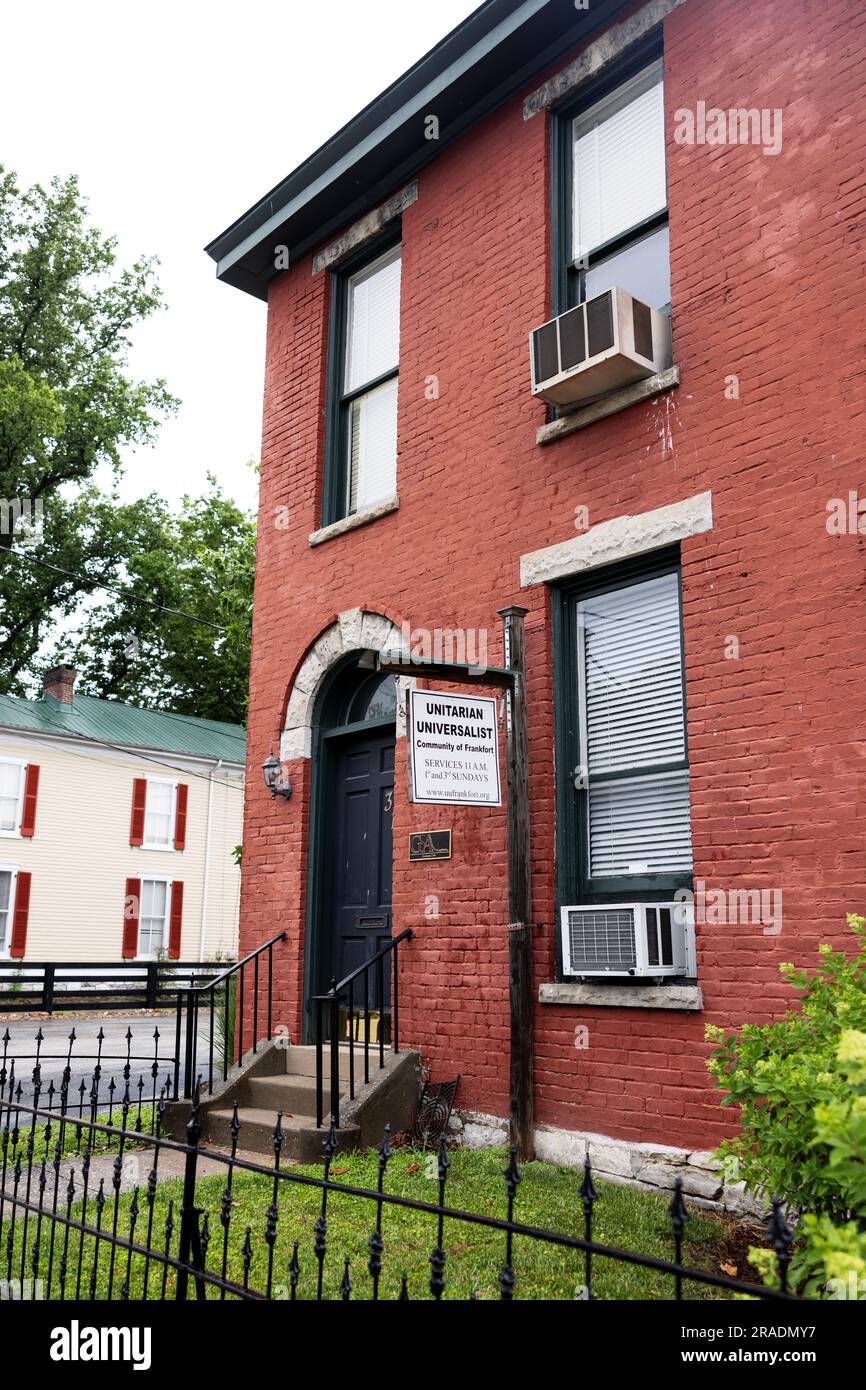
[{"x": 112, "y": 589}]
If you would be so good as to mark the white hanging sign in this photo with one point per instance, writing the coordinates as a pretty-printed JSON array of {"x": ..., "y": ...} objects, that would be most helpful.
[{"x": 454, "y": 749}]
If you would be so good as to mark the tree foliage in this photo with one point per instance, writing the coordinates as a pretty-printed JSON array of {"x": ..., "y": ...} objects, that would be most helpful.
[
  {"x": 197, "y": 560},
  {"x": 68, "y": 406}
]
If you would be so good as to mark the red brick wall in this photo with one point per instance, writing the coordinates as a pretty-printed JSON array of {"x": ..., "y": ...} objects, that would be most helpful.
[{"x": 767, "y": 284}]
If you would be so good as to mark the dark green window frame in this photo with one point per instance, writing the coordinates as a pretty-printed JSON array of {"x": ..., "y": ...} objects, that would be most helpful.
[
  {"x": 568, "y": 282},
  {"x": 573, "y": 884},
  {"x": 335, "y": 479}
]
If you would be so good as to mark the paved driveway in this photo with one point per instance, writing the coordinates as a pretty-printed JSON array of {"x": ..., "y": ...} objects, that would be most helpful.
[{"x": 55, "y": 1051}]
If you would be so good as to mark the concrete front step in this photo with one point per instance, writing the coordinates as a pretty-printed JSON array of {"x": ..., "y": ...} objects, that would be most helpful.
[
  {"x": 301, "y": 1060},
  {"x": 293, "y": 1094},
  {"x": 301, "y": 1139},
  {"x": 277, "y": 1078}
]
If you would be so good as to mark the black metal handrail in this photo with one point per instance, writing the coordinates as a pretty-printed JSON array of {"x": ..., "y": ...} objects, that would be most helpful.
[
  {"x": 345, "y": 989},
  {"x": 232, "y": 982}
]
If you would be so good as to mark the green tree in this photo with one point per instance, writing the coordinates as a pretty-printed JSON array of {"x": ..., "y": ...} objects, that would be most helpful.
[
  {"x": 197, "y": 560},
  {"x": 68, "y": 406}
]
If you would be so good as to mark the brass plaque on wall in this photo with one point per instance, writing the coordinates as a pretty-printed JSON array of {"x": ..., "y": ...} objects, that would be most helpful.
[{"x": 430, "y": 844}]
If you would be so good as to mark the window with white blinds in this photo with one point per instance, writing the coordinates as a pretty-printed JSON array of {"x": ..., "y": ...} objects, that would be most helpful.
[
  {"x": 619, "y": 186},
  {"x": 373, "y": 337},
  {"x": 372, "y": 353},
  {"x": 373, "y": 445},
  {"x": 619, "y": 162},
  {"x": 633, "y": 741}
]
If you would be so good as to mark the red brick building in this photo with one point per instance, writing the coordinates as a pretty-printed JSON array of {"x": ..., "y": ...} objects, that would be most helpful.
[{"x": 692, "y": 529}]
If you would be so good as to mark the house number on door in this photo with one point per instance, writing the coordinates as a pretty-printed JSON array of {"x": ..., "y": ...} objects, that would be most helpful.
[{"x": 389, "y": 801}]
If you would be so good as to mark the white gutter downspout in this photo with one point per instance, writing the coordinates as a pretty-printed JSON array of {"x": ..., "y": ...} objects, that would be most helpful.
[{"x": 205, "y": 884}]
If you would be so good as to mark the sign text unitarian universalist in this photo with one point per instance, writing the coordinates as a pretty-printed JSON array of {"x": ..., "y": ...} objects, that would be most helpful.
[{"x": 454, "y": 752}]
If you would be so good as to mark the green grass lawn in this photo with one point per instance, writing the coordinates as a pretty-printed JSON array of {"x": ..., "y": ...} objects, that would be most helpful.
[
  {"x": 547, "y": 1197},
  {"x": 77, "y": 1133}
]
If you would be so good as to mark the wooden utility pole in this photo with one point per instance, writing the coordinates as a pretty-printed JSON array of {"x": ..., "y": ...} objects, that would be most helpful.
[
  {"x": 512, "y": 679},
  {"x": 519, "y": 887}
]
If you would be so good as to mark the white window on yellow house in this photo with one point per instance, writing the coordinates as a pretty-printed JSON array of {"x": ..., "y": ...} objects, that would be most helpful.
[
  {"x": 11, "y": 793},
  {"x": 7, "y": 901},
  {"x": 160, "y": 814},
  {"x": 153, "y": 918}
]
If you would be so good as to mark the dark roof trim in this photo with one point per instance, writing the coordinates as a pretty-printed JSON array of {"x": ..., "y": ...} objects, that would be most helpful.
[{"x": 481, "y": 63}]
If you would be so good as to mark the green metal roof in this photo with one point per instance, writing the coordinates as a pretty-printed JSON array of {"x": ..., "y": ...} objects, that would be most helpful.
[{"x": 127, "y": 726}]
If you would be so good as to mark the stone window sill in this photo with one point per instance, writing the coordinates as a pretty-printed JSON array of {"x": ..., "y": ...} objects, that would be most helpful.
[
  {"x": 688, "y": 998},
  {"x": 351, "y": 523},
  {"x": 608, "y": 405}
]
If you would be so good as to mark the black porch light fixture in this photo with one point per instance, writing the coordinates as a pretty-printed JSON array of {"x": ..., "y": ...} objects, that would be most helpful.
[{"x": 276, "y": 780}]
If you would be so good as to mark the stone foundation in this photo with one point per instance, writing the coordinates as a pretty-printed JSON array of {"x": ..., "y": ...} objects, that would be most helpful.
[{"x": 651, "y": 1167}]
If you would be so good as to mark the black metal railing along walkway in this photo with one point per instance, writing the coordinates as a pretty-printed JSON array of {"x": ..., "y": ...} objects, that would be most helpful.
[
  {"x": 225, "y": 1001},
  {"x": 349, "y": 989}
]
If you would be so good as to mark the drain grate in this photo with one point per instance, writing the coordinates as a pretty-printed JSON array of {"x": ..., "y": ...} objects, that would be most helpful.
[{"x": 434, "y": 1111}]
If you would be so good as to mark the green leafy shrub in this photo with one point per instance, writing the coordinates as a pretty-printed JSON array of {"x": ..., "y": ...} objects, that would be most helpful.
[{"x": 800, "y": 1084}]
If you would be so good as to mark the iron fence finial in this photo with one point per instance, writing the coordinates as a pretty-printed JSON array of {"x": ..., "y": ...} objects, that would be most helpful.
[{"x": 511, "y": 1174}]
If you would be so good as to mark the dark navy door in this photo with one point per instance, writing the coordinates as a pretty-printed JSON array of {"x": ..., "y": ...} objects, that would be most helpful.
[{"x": 361, "y": 805}]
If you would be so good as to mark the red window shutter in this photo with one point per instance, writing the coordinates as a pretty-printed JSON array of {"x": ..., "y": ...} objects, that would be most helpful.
[
  {"x": 28, "y": 811},
  {"x": 139, "y": 806},
  {"x": 131, "y": 912},
  {"x": 180, "y": 816},
  {"x": 176, "y": 921},
  {"x": 18, "y": 943}
]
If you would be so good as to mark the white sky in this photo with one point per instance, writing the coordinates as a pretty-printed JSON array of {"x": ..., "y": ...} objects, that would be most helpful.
[{"x": 177, "y": 116}]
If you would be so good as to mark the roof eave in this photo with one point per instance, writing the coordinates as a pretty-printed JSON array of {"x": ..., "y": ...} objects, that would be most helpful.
[
  {"x": 69, "y": 736},
  {"x": 485, "y": 60}
]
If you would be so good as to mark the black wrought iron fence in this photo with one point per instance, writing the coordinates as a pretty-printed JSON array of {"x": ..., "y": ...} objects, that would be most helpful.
[
  {"x": 109, "y": 986},
  {"x": 162, "y": 1219},
  {"x": 218, "y": 1019},
  {"x": 81, "y": 1082}
]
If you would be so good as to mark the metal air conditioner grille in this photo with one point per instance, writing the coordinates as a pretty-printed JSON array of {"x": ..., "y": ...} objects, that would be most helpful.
[
  {"x": 599, "y": 323},
  {"x": 601, "y": 938},
  {"x": 659, "y": 936},
  {"x": 642, "y": 324}
]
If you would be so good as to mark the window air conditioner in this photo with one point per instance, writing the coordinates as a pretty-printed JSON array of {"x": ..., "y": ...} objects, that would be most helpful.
[
  {"x": 628, "y": 939},
  {"x": 607, "y": 342}
]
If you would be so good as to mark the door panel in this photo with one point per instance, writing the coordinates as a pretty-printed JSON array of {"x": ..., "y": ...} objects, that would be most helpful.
[{"x": 361, "y": 813}]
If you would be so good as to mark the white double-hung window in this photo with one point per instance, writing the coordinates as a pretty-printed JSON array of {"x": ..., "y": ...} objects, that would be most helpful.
[
  {"x": 619, "y": 193},
  {"x": 159, "y": 817},
  {"x": 370, "y": 368},
  {"x": 7, "y": 906},
  {"x": 633, "y": 771},
  {"x": 153, "y": 917},
  {"x": 11, "y": 795}
]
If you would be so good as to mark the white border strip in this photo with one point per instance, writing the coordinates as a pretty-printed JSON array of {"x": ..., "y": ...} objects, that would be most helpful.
[
  {"x": 618, "y": 539},
  {"x": 598, "y": 55}
]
